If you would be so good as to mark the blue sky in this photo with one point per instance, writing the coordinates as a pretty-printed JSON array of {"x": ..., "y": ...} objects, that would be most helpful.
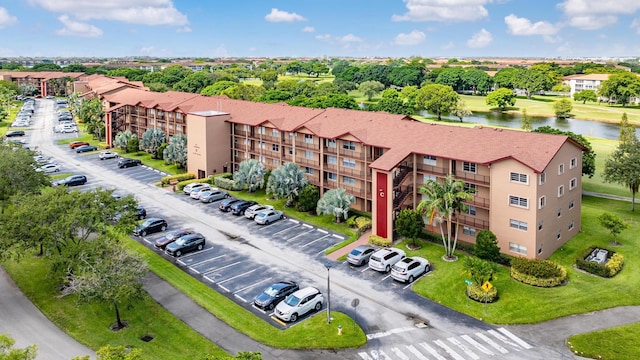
[{"x": 316, "y": 28}]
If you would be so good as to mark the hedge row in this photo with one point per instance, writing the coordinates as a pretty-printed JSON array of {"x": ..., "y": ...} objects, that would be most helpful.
[
  {"x": 540, "y": 282},
  {"x": 542, "y": 269},
  {"x": 476, "y": 293},
  {"x": 379, "y": 241},
  {"x": 613, "y": 266},
  {"x": 225, "y": 182},
  {"x": 181, "y": 177}
]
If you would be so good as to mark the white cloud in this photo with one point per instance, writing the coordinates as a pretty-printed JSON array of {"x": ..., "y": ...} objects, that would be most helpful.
[
  {"x": 523, "y": 26},
  {"x": 595, "y": 14},
  {"x": 6, "y": 19},
  {"x": 480, "y": 39},
  {"x": 443, "y": 10},
  {"x": 635, "y": 24},
  {"x": 282, "y": 16},
  {"x": 308, "y": 29},
  {"x": 184, "y": 29},
  {"x": 146, "y": 12},
  {"x": 413, "y": 38},
  {"x": 77, "y": 29},
  {"x": 346, "y": 41}
]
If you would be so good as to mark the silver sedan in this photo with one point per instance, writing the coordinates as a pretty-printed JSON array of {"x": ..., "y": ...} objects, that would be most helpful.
[{"x": 266, "y": 217}]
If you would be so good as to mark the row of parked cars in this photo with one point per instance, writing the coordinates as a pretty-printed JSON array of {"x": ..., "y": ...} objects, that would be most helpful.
[
  {"x": 23, "y": 118},
  {"x": 261, "y": 214},
  {"x": 393, "y": 260}
]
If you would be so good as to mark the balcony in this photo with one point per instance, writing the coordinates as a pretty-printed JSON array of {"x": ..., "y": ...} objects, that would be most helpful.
[
  {"x": 473, "y": 222},
  {"x": 479, "y": 202},
  {"x": 306, "y": 145},
  {"x": 330, "y": 150},
  {"x": 307, "y": 162},
  {"x": 428, "y": 169},
  {"x": 475, "y": 178},
  {"x": 352, "y": 154},
  {"x": 351, "y": 172}
]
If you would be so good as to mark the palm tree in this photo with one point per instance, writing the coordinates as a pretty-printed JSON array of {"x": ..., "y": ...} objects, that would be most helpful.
[
  {"x": 442, "y": 202},
  {"x": 336, "y": 202},
  {"x": 250, "y": 173},
  {"x": 287, "y": 181}
]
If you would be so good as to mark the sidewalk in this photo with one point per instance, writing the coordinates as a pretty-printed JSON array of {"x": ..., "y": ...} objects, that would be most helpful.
[{"x": 362, "y": 240}]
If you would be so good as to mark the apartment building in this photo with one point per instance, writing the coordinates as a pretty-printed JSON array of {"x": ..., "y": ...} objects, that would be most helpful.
[
  {"x": 41, "y": 80},
  {"x": 581, "y": 82},
  {"x": 527, "y": 186}
]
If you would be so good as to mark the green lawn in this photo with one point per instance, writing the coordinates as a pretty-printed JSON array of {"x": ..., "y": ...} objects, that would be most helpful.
[
  {"x": 543, "y": 106},
  {"x": 583, "y": 293},
  {"x": 619, "y": 343},
  {"x": 603, "y": 149}
]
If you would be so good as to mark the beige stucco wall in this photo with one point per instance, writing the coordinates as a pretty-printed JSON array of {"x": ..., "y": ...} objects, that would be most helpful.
[{"x": 207, "y": 143}]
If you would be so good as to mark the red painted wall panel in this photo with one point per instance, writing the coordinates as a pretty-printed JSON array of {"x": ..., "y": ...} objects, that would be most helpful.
[{"x": 382, "y": 212}]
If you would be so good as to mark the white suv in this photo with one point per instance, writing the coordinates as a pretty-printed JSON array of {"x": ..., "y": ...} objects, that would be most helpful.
[
  {"x": 408, "y": 269},
  {"x": 384, "y": 259},
  {"x": 299, "y": 303}
]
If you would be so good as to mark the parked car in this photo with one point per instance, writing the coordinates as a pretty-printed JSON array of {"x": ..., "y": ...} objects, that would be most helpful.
[
  {"x": 187, "y": 188},
  {"x": 149, "y": 226},
  {"x": 266, "y": 217},
  {"x": 86, "y": 148},
  {"x": 108, "y": 155},
  {"x": 299, "y": 303},
  {"x": 14, "y": 133},
  {"x": 408, "y": 269},
  {"x": 186, "y": 244},
  {"x": 252, "y": 210},
  {"x": 225, "y": 205},
  {"x": 384, "y": 259},
  {"x": 139, "y": 212},
  {"x": 49, "y": 168},
  {"x": 360, "y": 255},
  {"x": 126, "y": 162},
  {"x": 213, "y": 195},
  {"x": 171, "y": 237},
  {"x": 75, "y": 144},
  {"x": 195, "y": 193},
  {"x": 274, "y": 294},
  {"x": 72, "y": 180},
  {"x": 239, "y": 207}
]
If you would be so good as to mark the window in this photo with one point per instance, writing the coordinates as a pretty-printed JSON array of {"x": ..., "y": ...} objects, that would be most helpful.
[
  {"x": 428, "y": 177},
  {"x": 308, "y": 154},
  {"x": 570, "y": 227},
  {"x": 290, "y": 151},
  {"x": 348, "y": 180},
  {"x": 160, "y": 112},
  {"x": 560, "y": 190},
  {"x": 540, "y": 225},
  {"x": 570, "y": 204},
  {"x": 469, "y": 231},
  {"x": 348, "y": 145},
  {"x": 151, "y": 121},
  {"x": 558, "y": 234},
  {"x": 543, "y": 178},
  {"x": 262, "y": 145},
  {"x": 245, "y": 128},
  {"x": 262, "y": 159},
  {"x": 559, "y": 212},
  {"x": 332, "y": 160},
  {"x": 332, "y": 177},
  {"x": 178, "y": 127},
  {"x": 573, "y": 163},
  {"x": 472, "y": 188},
  {"x": 330, "y": 143},
  {"x": 178, "y": 115},
  {"x": 518, "y": 201},
  {"x": 542, "y": 202},
  {"x": 308, "y": 138},
  {"x": 520, "y": 249},
  {"x": 521, "y": 178},
  {"x": 429, "y": 160},
  {"x": 308, "y": 170},
  {"x": 275, "y": 132},
  {"x": 516, "y": 224},
  {"x": 349, "y": 163},
  {"x": 560, "y": 169},
  {"x": 573, "y": 183},
  {"x": 469, "y": 167},
  {"x": 275, "y": 147},
  {"x": 152, "y": 111},
  {"x": 471, "y": 210},
  {"x": 262, "y": 130}
]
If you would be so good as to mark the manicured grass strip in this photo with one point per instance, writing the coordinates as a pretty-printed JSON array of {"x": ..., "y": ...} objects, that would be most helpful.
[
  {"x": 312, "y": 333},
  {"x": 603, "y": 149},
  {"x": 88, "y": 322},
  {"x": 522, "y": 304},
  {"x": 620, "y": 343}
]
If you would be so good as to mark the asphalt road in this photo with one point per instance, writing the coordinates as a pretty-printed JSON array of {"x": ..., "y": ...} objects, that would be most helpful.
[{"x": 398, "y": 323}]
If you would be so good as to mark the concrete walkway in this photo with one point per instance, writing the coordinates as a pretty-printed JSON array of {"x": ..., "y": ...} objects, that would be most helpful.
[{"x": 362, "y": 240}]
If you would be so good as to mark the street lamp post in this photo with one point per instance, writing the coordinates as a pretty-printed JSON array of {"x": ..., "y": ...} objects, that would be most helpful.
[{"x": 328, "y": 266}]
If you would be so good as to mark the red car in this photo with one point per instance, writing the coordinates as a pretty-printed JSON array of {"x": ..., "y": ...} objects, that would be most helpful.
[{"x": 75, "y": 144}]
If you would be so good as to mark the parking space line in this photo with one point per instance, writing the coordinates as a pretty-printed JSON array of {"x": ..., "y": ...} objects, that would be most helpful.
[
  {"x": 338, "y": 236},
  {"x": 294, "y": 221},
  {"x": 240, "y": 297},
  {"x": 191, "y": 255},
  {"x": 224, "y": 288},
  {"x": 318, "y": 239},
  {"x": 252, "y": 285},
  {"x": 304, "y": 233},
  {"x": 307, "y": 226},
  {"x": 222, "y": 267},
  {"x": 235, "y": 277},
  {"x": 385, "y": 278},
  {"x": 206, "y": 261},
  {"x": 323, "y": 231},
  {"x": 208, "y": 279},
  {"x": 283, "y": 230}
]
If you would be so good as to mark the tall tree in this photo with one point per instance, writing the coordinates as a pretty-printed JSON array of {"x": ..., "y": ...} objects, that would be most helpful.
[
  {"x": 623, "y": 167},
  {"x": 562, "y": 108},
  {"x": 371, "y": 88},
  {"x": 443, "y": 202},
  {"x": 613, "y": 223},
  {"x": 460, "y": 110},
  {"x": 532, "y": 81},
  {"x": 151, "y": 141},
  {"x": 335, "y": 202},
  {"x": 627, "y": 131},
  {"x": 8, "y": 352},
  {"x": 620, "y": 87},
  {"x": 250, "y": 173},
  {"x": 501, "y": 98},
  {"x": 409, "y": 223},
  {"x": 439, "y": 99},
  {"x": 176, "y": 151},
  {"x": 91, "y": 113},
  {"x": 17, "y": 174},
  {"x": 286, "y": 182},
  {"x": 122, "y": 139},
  {"x": 526, "y": 121},
  {"x": 585, "y": 95}
]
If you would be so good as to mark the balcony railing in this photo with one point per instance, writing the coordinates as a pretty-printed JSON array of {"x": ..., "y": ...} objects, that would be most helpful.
[
  {"x": 479, "y": 202},
  {"x": 352, "y": 154},
  {"x": 428, "y": 169},
  {"x": 479, "y": 179},
  {"x": 473, "y": 222},
  {"x": 330, "y": 150},
  {"x": 352, "y": 172}
]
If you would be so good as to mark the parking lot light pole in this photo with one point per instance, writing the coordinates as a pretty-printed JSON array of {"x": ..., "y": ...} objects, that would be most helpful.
[{"x": 328, "y": 266}]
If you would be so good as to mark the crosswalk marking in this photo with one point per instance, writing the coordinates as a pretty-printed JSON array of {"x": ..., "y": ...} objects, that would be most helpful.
[
  {"x": 492, "y": 343},
  {"x": 465, "y": 349},
  {"x": 383, "y": 356},
  {"x": 412, "y": 349},
  {"x": 432, "y": 351},
  {"x": 476, "y": 344},
  {"x": 365, "y": 356},
  {"x": 449, "y": 350},
  {"x": 399, "y": 354},
  {"x": 515, "y": 338},
  {"x": 500, "y": 337}
]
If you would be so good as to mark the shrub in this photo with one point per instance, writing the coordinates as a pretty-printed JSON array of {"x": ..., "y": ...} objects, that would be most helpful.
[
  {"x": 160, "y": 152},
  {"x": 476, "y": 293},
  {"x": 486, "y": 246},
  {"x": 363, "y": 223},
  {"x": 225, "y": 183},
  {"x": 379, "y": 241},
  {"x": 535, "y": 272},
  {"x": 133, "y": 145},
  {"x": 351, "y": 221},
  {"x": 308, "y": 198},
  {"x": 181, "y": 177},
  {"x": 612, "y": 267},
  {"x": 103, "y": 146}
]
